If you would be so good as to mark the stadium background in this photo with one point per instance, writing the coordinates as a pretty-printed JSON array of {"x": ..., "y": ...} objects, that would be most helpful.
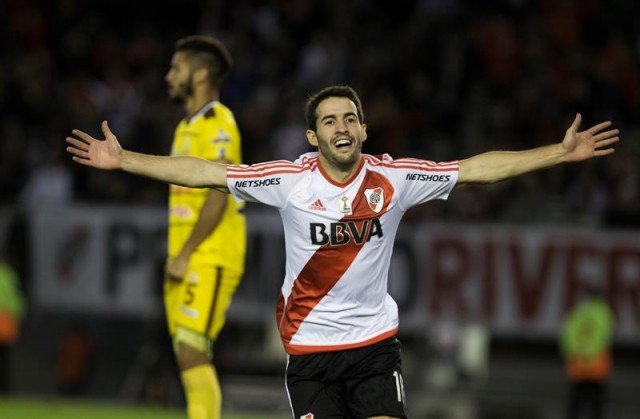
[{"x": 439, "y": 79}]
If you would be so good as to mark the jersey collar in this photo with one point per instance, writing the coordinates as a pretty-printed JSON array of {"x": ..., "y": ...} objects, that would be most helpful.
[
  {"x": 202, "y": 111},
  {"x": 346, "y": 182}
]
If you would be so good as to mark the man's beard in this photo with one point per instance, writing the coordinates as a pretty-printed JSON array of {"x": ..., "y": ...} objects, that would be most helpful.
[
  {"x": 183, "y": 91},
  {"x": 340, "y": 161}
]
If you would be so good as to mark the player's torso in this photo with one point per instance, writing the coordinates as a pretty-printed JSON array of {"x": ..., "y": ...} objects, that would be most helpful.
[
  {"x": 342, "y": 232},
  {"x": 339, "y": 242},
  {"x": 213, "y": 135}
]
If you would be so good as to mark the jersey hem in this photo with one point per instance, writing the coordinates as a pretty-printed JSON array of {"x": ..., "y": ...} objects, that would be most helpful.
[{"x": 293, "y": 349}]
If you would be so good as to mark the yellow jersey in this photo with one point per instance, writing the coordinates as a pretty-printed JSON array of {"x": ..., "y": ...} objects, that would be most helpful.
[{"x": 211, "y": 134}]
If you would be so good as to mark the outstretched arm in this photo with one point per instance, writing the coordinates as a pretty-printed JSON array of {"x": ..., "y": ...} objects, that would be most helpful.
[
  {"x": 107, "y": 154},
  {"x": 495, "y": 166}
]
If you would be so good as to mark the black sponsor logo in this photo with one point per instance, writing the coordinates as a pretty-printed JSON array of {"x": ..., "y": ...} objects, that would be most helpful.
[
  {"x": 257, "y": 183},
  {"x": 343, "y": 232},
  {"x": 428, "y": 178}
]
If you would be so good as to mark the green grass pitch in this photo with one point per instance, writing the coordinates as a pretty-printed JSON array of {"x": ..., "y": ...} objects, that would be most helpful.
[{"x": 33, "y": 408}]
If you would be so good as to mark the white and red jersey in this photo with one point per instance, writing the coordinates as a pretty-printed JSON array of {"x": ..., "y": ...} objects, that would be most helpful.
[{"x": 339, "y": 239}]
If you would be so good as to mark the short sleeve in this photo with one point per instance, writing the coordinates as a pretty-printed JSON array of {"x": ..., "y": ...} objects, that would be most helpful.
[
  {"x": 418, "y": 181},
  {"x": 267, "y": 183}
]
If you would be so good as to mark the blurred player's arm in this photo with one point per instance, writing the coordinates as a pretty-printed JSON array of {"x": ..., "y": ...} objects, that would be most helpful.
[
  {"x": 208, "y": 219},
  {"x": 495, "y": 166},
  {"x": 107, "y": 154}
]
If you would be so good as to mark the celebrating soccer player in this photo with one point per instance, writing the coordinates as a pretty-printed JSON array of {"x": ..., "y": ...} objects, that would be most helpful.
[{"x": 341, "y": 209}]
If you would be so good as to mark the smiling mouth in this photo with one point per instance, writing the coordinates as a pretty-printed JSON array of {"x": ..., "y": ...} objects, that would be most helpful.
[{"x": 343, "y": 143}]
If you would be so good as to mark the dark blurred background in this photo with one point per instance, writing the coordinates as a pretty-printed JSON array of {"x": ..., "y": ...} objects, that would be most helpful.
[{"x": 439, "y": 79}]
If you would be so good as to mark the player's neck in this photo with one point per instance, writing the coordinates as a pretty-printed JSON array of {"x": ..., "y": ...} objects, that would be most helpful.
[
  {"x": 339, "y": 173},
  {"x": 198, "y": 100}
]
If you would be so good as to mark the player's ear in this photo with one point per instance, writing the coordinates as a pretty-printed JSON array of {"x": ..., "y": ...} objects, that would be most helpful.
[
  {"x": 312, "y": 138},
  {"x": 363, "y": 131},
  {"x": 200, "y": 75}
]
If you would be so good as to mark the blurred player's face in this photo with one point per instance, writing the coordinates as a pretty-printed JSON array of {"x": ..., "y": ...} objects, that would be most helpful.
[
  {"x": 339, "y": 134},
  {"x": 179, "y": 78}
]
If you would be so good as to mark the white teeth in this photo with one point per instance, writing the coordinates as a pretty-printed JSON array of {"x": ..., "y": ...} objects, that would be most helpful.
[{"x": 340, "y": 143}]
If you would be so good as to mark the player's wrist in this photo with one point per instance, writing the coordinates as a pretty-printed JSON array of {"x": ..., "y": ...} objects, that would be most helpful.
[{"x": 186, "y": 253}]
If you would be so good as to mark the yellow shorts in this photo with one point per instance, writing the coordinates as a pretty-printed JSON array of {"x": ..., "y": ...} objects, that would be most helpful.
[{"x": 200, "y": 301}]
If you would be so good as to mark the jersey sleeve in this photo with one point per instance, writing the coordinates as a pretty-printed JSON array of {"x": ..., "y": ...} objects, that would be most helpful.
[
  {"x": 419, "y": 181},
  {"x": 267, "y": 183}
]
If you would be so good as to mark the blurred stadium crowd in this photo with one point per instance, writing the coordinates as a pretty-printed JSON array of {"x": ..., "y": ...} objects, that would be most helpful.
[{"x": 439, "y": 79}]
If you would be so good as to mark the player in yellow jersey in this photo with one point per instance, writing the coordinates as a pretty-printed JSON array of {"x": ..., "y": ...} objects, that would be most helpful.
[{"x": 206, "y": 246}]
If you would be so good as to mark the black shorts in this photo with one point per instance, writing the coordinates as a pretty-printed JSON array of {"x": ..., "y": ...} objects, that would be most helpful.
[{"x": 355, "y": 383}]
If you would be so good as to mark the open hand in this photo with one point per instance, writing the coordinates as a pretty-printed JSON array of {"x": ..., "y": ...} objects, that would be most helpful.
[
  {"x": 102, "y": 154},
  {"x": 589, "y": 143}
]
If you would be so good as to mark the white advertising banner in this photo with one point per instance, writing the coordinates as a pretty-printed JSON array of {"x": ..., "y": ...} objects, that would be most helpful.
[
  {"x": 98, "y": 259},
  {"x": 519, "y": 281}
]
